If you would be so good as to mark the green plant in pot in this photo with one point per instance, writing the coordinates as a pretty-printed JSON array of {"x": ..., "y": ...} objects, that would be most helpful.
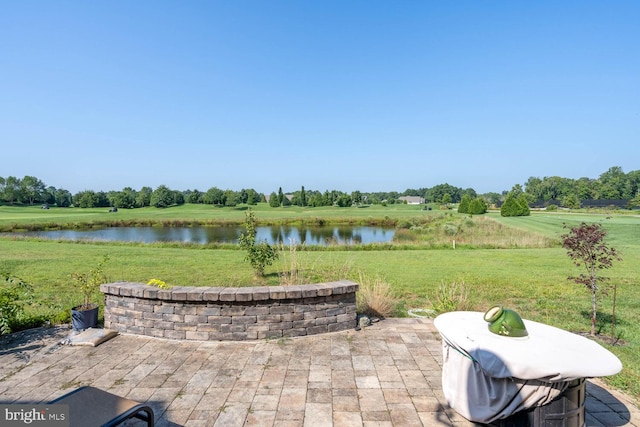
[{"x": 85, "y": 315}]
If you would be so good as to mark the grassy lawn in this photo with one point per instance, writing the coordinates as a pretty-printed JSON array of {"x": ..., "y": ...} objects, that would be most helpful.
[{"x": 530, "y": 278}]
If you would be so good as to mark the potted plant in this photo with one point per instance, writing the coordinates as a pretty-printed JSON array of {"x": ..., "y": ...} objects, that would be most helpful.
[{"x": 85, "y": 315}]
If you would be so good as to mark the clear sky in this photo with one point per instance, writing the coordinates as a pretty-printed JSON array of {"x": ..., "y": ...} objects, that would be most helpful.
[{"x": 328, "y": 94}]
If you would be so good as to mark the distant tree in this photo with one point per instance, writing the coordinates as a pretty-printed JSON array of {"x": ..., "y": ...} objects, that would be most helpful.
[
  {"x": 492, "y": 198},
  {"x": 436, "y": 193},
  {"x": 11, "y": 191},
  {"x": 586, "y": 247},
  {"x": 571, "y": 201},
  {"x": 463, "y": 207},
  {"x": 31, "y": 189},
  {"x": 281, "y": 196},
  {"x": 343, "y": 201},
  {"x": 213, "y": 196},
  {"x": 478, "y": 206},
  {"x": 123, "y": 199},
  {"x": 231, "y": 198},
  {"x": 143, "y": 197},
  {"x": 194, "y": 197},
  {"x": 63, "y": 198},
  {"x": 303, "y": 197},
  {"x": 274, "y": 202},
  {"x": 86, "y": 199},
  {"x": 162, "y": 197},
  {"x": 446, "y": 199},
  {"x": 356, "y": 197},
  {"x": 178, "y": 198},
  {"x": 515, "y": 205}
]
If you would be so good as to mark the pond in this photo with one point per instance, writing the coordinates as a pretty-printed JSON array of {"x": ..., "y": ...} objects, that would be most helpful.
[{"x": 307, "y": 235}]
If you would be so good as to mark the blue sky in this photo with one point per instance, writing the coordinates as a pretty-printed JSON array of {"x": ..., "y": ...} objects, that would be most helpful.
[{"x": 345, "y": 95}]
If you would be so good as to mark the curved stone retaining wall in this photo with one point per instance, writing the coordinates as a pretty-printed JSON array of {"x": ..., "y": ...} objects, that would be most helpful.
[{"x": 230, "y": 314}]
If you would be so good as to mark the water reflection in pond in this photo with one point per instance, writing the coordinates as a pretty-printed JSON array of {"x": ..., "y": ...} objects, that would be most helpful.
[{"x": 326, "y": 235}]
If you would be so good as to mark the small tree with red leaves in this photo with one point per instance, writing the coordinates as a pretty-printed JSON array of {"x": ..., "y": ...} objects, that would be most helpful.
[{"x": 585, "y": 245}]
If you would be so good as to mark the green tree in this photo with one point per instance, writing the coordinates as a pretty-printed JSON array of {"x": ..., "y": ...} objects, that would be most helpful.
[
  {"x": 162, "y": 197},
  {"x": 213, "y": 196},
  {"x": 571, "y": 201},
  {"x": 303, "y": 197},
  {"x": 478, "y": 206},
  {"x": 463, "y": 207},
  {"x": 274, "y": 202},
  {"x": 231, "y": 198},
  {"x": 259, "y": 254},
  {"x": 63, "y": 198},
  {"x": 31, "y": 189},
  {"x": 143, "y": 198},
  {"x": 515, "y": 205},
  {"x": 587, "y": 248},
  {"x": 194, "y": 197},
  {"x": 280, "y": 197},
  {"x": 11, "y": 190},
  {"x": 86, "y": 199}
]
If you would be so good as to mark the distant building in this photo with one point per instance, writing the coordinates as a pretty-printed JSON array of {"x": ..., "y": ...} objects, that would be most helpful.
[{"x": 412, "y": 200}]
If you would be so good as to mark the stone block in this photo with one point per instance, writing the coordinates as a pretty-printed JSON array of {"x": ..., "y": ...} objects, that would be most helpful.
[
  {"x": 325, "y": 320},
  {"x": 186, "y": 309},
  {"x": 209, "y": 310},
  {"x": 261, "y": 293},
  {"x": 269, "y": 318},
  {"x": 343, "y": 326},
  {"x": 347, "y": 317},
  {"x": 332, "y": 312},
  {"x": 208, "y": 327},
  {"x": 195, "y": 335},
  {"x": 163, "y": 309},
  {"x": 314, "y": 330},
  {"x": 152, "y": 316},
  {"x": 175, "y": 335},
  {"x": 179, "y": 293},
  {"x": 257, "y": 310},
  {"x": 298, "y": 332},
  {"x": 193, "y": 319},
  {"x": 277, "y": 292},
  {"x": 269, "y": 334},
  {"x": 228, "y": 294},
  {"x": 211, "y": 294},
  {"x": 173, "y": 318},
  {"x": 232, "y": 328},
  {"x": 233, "y": 310},
  {"x": 293, "y": 292},
  {"x": 219, "y": 320},
  {"x": 244, "y": 294},
  {"x": 281, "y": 309},
  {"x": 244, "y": 320},
  {"x": 150, "y": 292},
  {"x": 291, "y": 317},
  {"x": 195, "y": 294}
]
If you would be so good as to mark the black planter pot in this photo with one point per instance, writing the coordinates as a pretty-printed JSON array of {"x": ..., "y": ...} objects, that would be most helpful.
[{"x": 84, "y": 318}]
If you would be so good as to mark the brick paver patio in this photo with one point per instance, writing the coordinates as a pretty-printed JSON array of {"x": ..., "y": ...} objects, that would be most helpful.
[{"x": 384, "y": 375}]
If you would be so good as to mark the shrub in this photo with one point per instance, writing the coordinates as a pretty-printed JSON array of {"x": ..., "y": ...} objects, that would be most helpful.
[
  {"x": 260, "y": 255},
  {"x": 374, "y": 297},
  {"x": 477, "y": 206},
  {"x": 463, "y": 207},
  {"x": 515, "y": 206},
  {"x": 13, "y": 294}
]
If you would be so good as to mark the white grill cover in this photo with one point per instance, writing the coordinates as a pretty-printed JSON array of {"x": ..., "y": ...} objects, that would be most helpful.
[{"x": 486, "y": 377}]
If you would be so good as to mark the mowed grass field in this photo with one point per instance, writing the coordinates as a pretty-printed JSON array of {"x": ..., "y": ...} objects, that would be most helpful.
[{"x": 524, "y": 274}]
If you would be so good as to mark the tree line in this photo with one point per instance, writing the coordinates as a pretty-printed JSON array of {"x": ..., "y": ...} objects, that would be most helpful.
[{"x": 613, "y": 184}]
